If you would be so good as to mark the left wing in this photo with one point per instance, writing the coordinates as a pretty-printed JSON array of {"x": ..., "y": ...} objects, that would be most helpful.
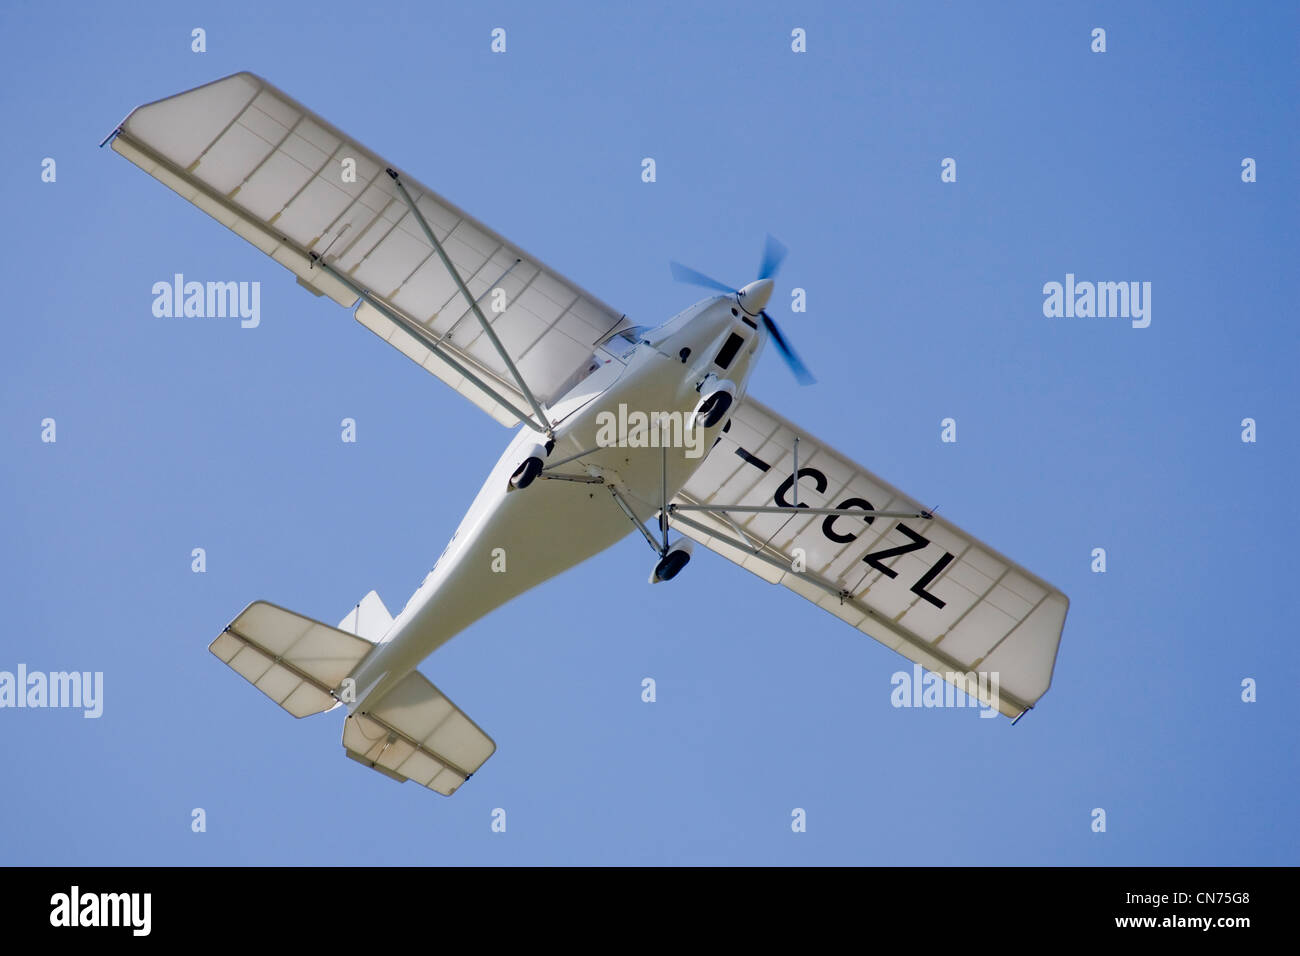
[
  {"x": 918, "y": 584},
  {"x": 331, "y": 211}
]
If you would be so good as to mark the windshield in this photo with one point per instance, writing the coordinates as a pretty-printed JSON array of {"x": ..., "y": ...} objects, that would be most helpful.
[
  {"x": 619, "y": 345},
  {"x": 622, "y": 342}
]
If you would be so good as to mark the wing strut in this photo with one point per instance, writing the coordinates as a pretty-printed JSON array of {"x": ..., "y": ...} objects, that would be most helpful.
[
  {"x": 790, "y": 508},
  {"x": 663, "y": 497},
  {"x": 415, "y": 331},
  {"x": 802, "y": 510},
  {"x": 564, "y": 461},
  {"x": 473, "y": 304}
]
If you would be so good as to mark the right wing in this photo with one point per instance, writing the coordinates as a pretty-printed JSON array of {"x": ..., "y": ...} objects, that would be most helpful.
[
  {"x": 921, "y": 586},
  {"x": 282, "y": 177}
]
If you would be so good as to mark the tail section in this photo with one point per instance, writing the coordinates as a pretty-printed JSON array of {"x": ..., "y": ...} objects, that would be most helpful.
[
  {"x": 412, "y": 733},
  {"x": 369, "y": 619}
]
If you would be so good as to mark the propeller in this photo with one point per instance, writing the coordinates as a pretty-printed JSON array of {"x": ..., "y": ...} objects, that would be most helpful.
[
  {"x": 774, "y": 252},
  {"x": 801, "y": 373},
  {"x": 773, "y": 255},
  {"x": 691, "y": 277}
]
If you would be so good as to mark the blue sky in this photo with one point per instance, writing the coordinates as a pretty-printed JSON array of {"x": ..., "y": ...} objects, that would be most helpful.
[{"x": 924, "y": 302}]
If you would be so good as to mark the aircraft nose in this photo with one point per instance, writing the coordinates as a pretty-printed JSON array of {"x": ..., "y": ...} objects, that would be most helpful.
[{"x": 753, "y": 298}]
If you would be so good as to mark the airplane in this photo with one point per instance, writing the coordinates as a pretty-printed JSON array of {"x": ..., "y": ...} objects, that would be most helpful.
[{"x": 621, "y": 429}]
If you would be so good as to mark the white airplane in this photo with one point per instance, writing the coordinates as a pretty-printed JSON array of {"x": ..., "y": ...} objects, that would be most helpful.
[{"x": 623, "y": 425}]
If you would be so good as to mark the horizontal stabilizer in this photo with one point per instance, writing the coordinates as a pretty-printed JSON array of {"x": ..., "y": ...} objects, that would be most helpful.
[
  {"x": 294, "y": 660},
  {"x": 416, "y": 733}
]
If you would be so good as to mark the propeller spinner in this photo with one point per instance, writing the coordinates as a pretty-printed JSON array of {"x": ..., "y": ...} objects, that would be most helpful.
[{"x": 753, "y": 298}]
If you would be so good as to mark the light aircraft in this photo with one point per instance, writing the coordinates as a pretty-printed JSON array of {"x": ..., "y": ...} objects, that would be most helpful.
[{"x": 692, "y": 452}]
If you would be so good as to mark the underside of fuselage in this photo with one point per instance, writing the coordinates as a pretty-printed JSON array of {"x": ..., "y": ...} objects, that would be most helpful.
[{"x": 513, "y": 539}]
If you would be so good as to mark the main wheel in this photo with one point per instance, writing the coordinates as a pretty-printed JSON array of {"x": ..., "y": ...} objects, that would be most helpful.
[
  {"x": 526, "y": 473},
  {"x": 670, "y": 564}
]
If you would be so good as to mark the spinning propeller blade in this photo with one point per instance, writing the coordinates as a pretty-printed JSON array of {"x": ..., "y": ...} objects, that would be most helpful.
[
  {"x": 773, "y": 255},
  {"x": 688, "y": 275},
  {"x": 787, "y": 351}
]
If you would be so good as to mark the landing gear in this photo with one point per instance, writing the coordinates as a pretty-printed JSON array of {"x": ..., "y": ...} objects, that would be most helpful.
[
  {"x": 531, "y": 467},
  {"x": 526, "y": 473},
  {"x": 671, "y": 559},
  {"x": 713, "y": 408},
  {"x": 672, "y": 562},
  {"x": 716, "y": 398}
]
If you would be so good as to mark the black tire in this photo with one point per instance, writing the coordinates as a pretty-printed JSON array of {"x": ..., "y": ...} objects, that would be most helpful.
[
  {"x": 526, "y": 473},
  {"x": 671, "y": 565},
  {"x": 712, "y": 411}
]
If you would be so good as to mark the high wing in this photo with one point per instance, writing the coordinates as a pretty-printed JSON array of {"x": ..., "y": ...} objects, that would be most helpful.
[
  {"x": 917, "y": 584},
  {"x": 332, "y": 212}
]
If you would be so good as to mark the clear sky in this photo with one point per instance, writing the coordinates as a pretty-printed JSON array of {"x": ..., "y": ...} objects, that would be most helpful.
[{"x": 924, "y": 300}]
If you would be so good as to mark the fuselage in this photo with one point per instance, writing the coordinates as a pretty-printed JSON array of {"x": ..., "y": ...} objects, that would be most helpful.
[{"x": 513, "y": 539}]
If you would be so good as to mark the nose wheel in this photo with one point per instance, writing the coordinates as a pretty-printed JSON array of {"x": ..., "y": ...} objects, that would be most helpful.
[
  {"x": 713, "y": 408},
  {"x": 669, "y": 565},
  {"x": 671, "y": 558}
]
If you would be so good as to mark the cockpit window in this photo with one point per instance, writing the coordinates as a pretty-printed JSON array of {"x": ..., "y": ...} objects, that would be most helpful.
[{"x": 622, "y": 342}]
